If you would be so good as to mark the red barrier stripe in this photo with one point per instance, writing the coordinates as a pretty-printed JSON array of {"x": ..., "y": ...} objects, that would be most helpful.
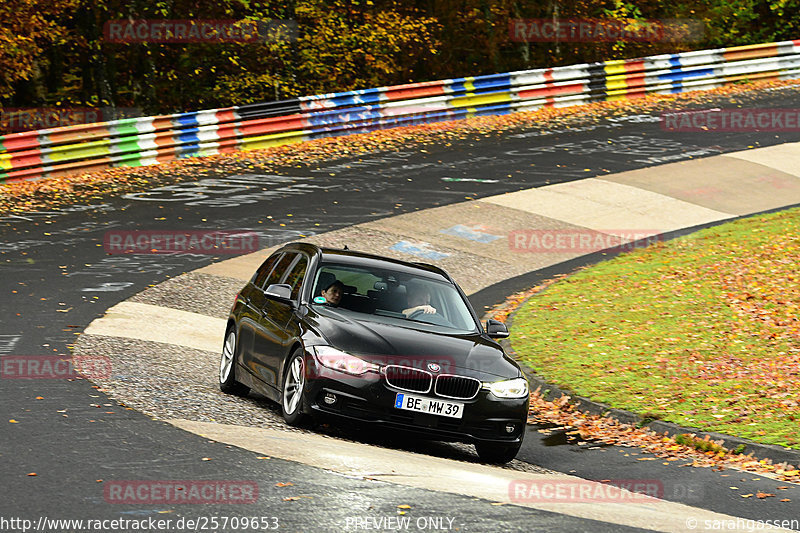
[
  {"x": 415, "y": 90},
  {"x": 78, "y": 133},
  {"x": 165, "y": 154},
  {"x": 272, "y": 125},
  {"x": 635, "y": 93},
  {"x": 634, "y": 66},
  {"x": 770, "y": 76},
  {"x": 162, "y": 123},
  {"x": 551, "y": 90},
  {"x": 224, "y": 132},
  {"x": 27, "y": 159},
  {"x": 750, "y": 52},
  {"x": 21, "y": 141},
  {"x": 76, "y": 167},
  {"x": 226, "y": 115},
  {"x": 638, "y": 80},
  {"x": 228, "y": 146},
  {"x": 163, "y": 138}
]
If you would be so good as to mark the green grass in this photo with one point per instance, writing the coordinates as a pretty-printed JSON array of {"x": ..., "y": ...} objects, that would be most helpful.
[{"x": 703, "y": 330}]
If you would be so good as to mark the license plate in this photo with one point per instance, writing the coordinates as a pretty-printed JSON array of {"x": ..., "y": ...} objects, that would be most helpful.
[{"x": 419, "y": 404}]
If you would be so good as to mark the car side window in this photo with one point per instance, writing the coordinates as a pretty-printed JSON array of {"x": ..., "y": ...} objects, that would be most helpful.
[
  {"x": 264, "y": 270},
  {"x": 280, "y": 269},
  {"x": 296, "y": 275}
]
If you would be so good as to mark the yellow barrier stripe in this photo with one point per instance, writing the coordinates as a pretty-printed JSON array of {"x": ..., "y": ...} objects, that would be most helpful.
[
  {"x": 614, "y": 67},
  {"x": 468, "y": 85},
  {"x": 614, "y": 84},
  {"x": 484, "y": 99},
  {"x": 274, "y": 139}
]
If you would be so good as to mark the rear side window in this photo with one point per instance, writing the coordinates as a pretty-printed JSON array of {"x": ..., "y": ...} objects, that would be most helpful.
[
  {"x": 264, "y": 271},
  {"x": 280, "y": 269},
  {"x": 296, "y": 275}
]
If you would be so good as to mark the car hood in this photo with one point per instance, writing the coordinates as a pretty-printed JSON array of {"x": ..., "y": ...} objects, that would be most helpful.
[{"x": 468, "y": 354}]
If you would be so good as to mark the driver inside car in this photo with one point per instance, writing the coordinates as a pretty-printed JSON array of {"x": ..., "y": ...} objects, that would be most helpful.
[
  {"x": 419, "y": 299},
  {"x": 333, "y": 293}
]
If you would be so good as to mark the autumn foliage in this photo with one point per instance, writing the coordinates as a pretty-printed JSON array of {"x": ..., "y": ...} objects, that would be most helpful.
[{"x": 55, "y": 53}]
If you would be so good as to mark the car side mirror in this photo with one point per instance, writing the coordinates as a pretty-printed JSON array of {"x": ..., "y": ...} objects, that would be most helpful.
[
  {"x": 496, "y": 329},
  {"x": 280, "y": 291}
]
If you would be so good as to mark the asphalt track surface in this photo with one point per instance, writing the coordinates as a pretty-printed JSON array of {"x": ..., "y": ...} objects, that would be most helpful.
[{"x": 56, "y": 278}]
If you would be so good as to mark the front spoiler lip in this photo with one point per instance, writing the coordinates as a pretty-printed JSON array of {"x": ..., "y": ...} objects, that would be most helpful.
[{"x": 418, "y": 430}]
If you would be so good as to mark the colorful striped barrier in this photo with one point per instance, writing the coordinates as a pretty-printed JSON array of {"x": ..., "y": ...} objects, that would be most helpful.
[{"x": 153, "y": 140}]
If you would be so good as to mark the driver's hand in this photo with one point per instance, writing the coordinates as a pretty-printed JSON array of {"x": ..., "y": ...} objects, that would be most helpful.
[{"x": 427, "y": 309}]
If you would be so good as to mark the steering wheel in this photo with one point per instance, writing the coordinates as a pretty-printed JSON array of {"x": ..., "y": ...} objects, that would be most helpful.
[
  {"x": 417, "y": 313},
  {"x": 430, "y": 318}
]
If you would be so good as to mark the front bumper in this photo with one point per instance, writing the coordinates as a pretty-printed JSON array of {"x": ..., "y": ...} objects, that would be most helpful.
[{"x": 369, "y": 399}]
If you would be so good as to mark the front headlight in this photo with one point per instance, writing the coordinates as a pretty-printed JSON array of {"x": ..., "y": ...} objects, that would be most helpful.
[
  {"x": 512, "y": 388},
  {"x": 330, "y": 357}
]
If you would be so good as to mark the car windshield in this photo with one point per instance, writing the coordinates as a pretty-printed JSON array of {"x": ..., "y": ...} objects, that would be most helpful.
[{"x": 393, "y": 297}]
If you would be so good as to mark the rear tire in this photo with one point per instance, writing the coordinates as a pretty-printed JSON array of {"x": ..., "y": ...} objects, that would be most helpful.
[
  {"x": 494, "y": 453},
  {"x": 227, "y": 366},
  {"x": 294, "y": 383}
]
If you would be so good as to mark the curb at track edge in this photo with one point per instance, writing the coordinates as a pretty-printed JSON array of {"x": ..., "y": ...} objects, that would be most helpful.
[{"x": 494, "y": 294}]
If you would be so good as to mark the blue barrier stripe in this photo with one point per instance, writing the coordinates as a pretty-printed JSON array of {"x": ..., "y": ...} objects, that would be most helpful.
[
  {"x": 185, "y": 119},
  {"x": 187, "y": 150},
  {"x": 348, "y": 97},
  {"x": 187, "y": 136},
  {"x": 460, "y": 90},
  {"x": 356, "y": 99},
  {"x": 388, "y": 123},
  {"x": 457, "y": 86},
  {"x": 383, "y": 122},
  {"x": 337, "y": 116},
  {"x": 501, "y": 109},
  {"x": 686, "y": 74},
  {"x": 480, "y": 83}
]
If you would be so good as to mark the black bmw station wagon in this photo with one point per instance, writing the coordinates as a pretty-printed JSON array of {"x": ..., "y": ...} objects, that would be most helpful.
[{"x": 336, "y": 333}]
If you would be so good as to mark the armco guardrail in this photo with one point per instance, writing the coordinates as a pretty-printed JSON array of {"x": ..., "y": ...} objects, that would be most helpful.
[{"x": 151, "y": 140}]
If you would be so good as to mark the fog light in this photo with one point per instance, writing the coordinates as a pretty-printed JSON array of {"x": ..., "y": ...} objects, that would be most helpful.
[
  {"x": 510, "y": 428},
  {"x": 329, "y": 398}
]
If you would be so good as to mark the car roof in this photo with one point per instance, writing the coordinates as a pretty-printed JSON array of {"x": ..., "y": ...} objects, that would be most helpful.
[{"x": 353, "y": 257}]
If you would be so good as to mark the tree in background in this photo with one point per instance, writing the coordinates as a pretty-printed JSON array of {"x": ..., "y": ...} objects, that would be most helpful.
[
  {"x": 27, "y": 29},
  {"x": 341, "y": 45},
  {"x": 55, "y": 52}
]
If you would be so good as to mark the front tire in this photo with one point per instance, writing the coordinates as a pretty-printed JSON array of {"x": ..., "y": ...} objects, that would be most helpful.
[
  {"x": 294, "y": 384},
  {"x": 494, "y": 453},
  {"x": 227, "y": 367}
]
